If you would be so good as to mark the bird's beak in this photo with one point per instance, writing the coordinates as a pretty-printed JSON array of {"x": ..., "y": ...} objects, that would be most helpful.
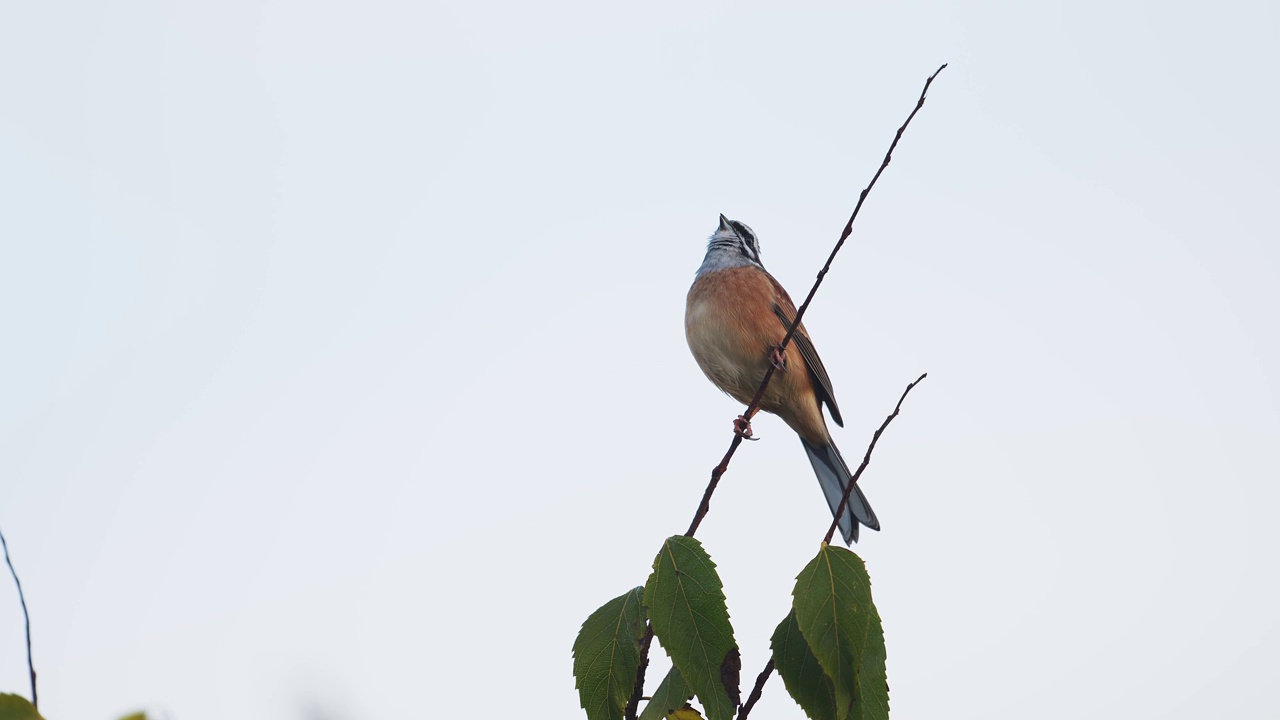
[{"x": 724, "y": 224}]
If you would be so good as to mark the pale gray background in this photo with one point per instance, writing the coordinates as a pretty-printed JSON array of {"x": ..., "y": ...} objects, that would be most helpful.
[{"x": 344, "y": 370}]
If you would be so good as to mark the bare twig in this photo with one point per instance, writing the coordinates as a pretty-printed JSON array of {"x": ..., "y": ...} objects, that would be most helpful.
[
  {"x": 755, "y": 691},
  {"x": 31, "y": 668},
  {"x": 705, "y": 506},
  {"x": 754, "y": 406},
  {"x": 866, "y": 459}
]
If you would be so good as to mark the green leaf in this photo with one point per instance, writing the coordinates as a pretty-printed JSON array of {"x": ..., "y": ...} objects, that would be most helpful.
[
  {"x": 800, "y": 671},
  {"x": 871, "y": 699},
  {"x": 688, "y": 613},
  {"x": 835, "y": 614},
  {"x": 606, "y": 655},
  {"x": 672, "y": 693},
  {"x": 16, "y": 707}
]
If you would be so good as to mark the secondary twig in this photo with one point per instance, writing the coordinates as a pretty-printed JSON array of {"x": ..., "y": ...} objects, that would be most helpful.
[
  {"x": 31, "y": 668},
  {"x": 768, "y": 669},
  {"x": 866, "y": 459},
  {"x": 754, "y": 406},
  {"x": 755, "y": 691}
]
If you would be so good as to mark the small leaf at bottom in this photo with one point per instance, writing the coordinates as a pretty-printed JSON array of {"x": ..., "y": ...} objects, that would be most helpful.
[{"x": 16, "y": 707}]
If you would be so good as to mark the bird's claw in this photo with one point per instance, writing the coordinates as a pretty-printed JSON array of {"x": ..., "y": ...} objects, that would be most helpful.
[
  {"x": 742, "y": 428},
  {"x": 778, "y": 358}
]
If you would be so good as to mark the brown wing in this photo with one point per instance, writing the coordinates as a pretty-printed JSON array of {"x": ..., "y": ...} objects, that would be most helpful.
[{"x": 786, "y": 312}]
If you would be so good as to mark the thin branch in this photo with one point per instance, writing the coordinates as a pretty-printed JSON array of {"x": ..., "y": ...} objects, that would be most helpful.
[
  {"x": 754, "y": 406},
  {"x": 755, "y": 691},
  {"x": 31, "y": 668},
  {"x": 866, "y": 460},
  {"x": 848, "y": 230},
  {"x": 633, "y": 705},
  {"x": 705, "y": 506}
]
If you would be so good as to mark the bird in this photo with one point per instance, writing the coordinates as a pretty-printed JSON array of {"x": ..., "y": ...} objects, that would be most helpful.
[{"x": 736, "y": 316}]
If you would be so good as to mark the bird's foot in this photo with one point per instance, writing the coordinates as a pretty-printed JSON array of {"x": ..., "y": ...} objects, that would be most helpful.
[
  {"x": 778, "y": 358},
  {"x": 742, "y": 428}
]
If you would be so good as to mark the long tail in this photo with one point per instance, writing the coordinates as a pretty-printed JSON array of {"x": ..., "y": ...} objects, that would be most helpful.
[{"x": 834, "y": 476}]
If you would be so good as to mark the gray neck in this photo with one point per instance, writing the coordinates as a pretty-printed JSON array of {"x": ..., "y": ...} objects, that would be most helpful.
[{"x": 723, "y": 258}]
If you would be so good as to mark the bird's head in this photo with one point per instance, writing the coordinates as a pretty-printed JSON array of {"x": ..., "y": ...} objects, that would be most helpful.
[{"x": 735, "y": 237}]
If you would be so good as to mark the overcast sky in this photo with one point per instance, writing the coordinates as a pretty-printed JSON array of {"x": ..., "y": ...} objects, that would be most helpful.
[{"x": 344, "y": 371}]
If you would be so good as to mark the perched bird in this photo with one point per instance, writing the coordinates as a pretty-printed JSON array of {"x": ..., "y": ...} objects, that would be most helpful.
[{"x": 735, "y": 318}]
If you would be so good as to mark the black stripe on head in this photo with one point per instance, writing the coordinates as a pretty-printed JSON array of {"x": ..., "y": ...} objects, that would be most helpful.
[{"x": 749, "y": 246}]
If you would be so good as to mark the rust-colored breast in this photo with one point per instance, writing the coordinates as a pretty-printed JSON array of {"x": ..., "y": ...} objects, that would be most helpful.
[{"x": 731, "y": 326}]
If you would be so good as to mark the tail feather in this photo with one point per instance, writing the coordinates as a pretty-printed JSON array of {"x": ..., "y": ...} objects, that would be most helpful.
[{"x": 834, "y": 476}]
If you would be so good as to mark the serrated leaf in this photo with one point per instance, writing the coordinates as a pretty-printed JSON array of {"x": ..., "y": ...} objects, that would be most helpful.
[
  {"x": 16, "y": 707},
  {"x": 800, "y": 671},
  {"x": 606, "y": 655},
  {"x": 687, "y": 610},
  {"x": 835, "y": 614},
  {"x": 672, "y": 693},
  {"x": 871, "y": 699}
]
